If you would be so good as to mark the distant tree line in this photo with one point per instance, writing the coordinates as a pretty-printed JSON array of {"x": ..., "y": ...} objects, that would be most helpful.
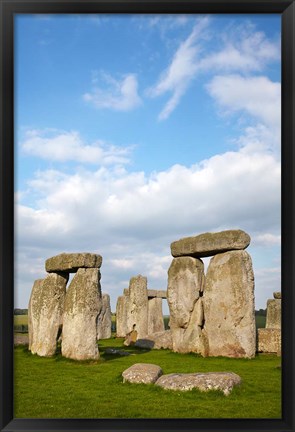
[
  {"x": 260, "y": 312},
  {"x": 20, "y": 311}
]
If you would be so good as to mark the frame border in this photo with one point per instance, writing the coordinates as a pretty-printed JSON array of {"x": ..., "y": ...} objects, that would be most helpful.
[{"x": 7, "y": 10}]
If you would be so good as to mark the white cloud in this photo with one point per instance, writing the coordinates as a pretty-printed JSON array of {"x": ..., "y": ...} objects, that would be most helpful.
[
  {"x": 258, "y": 96},
  {"x": 267, "y": 239},
  {"x": 131, "y": 218},
  {"x": 244, "y": 50},
  {"x": 120, "y": 95},
  {"x": 69, "y": 146},
  {"x": 182, "y": 69}
]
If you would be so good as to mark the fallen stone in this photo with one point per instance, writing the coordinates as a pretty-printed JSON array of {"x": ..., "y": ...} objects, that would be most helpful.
[
  {"x": 273, "y": 313},
  {"x": 104, "y": 320},
  {"x": 209, "y": 244},
  {"x": 229, "y": 306},
  {"x": 142, "y": 373},
  {"x": 71, "y": 262},
  {"x": 82, "y": 306},
  {"x": 277, "y": 295},
  {"x": 155, "y": 316},
  {"x": 45, "y": 313},
  {"x": 224, "y": 381},
  {"x": 269, "y": 340}
]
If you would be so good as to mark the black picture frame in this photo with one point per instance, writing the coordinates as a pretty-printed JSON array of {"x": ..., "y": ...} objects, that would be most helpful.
[{"x": 286, "y": 8}]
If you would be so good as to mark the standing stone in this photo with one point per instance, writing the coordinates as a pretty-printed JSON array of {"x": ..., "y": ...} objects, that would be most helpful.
[
  {"x": 273, "y": 313},
  {"x": 45, "y": 313},
  {"x": 82, "y": 306},
  {"x": 209, "y": 244},
  {"x": 137, "y": 310},
  {"x": 34, "y": 310},
  {"x": 185, "y": 287},
  {"x": 104, "y": 321},
  {"x": 269, "y": 340},
  {"x": 121, "y": 316},
  {"x": 229, "y": 306},
  {"x": 155, "y": 316}
]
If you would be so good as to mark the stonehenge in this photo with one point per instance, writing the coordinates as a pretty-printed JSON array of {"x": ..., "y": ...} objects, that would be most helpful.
[
  {"x": 78, "y": 315},
  {"x": 212, "y": 314},
  {"x": 269, "y": 338}
]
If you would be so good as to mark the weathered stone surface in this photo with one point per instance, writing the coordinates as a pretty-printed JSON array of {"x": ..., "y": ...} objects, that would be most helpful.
[
  {"x": 137, "y": 306},
  {"x": 131, "y": 337},
  {"x": 121, "y": 316},
  {"x": 224, "y": 381},
  {"x": 269, "y": 340},
  {"x": 277, "y": 295},
  {"x": 70, "y": 262},
  {"x": 160, "y": 340},
  {"x": 45, "y": 313},
  {"x": 185, "y": 286},
  {"x": 126, "y": 291},
  {"x": 142, "y": 373},
  {"x": 273, "y": 313},
  {"x": 155, "y": 316},
  {"x": 157, "y": 293},
  {"x": 104, "y": 320},
  {"x": 192, "y": 339},
  {"x": 229, "y": 306},
  {"x": 82, "y": 306},
  {"x": 209, "y": 244},
  {"x": 185, "y": 283}
]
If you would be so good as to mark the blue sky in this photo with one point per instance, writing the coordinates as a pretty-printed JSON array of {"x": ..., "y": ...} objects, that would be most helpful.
[{"x": 134, "y": 131}]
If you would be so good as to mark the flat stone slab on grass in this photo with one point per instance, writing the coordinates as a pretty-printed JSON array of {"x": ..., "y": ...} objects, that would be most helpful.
[
  {"x": 209, "y": 244},
  {"x": 142, "y": 373},
  {"x": 71, "y": 262},
  {"x": 224, "y": 381}
]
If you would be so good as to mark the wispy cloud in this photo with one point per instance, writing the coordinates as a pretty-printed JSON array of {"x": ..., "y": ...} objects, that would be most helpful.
[
  {"x": 63, "y": 146},
  {"x": 118, "y": 95},
  {"x": 182, "y": 69},
  {"x": 244, "y": 51}
]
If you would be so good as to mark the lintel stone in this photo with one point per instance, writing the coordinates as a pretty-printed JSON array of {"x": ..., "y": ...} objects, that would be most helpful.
[
  {"x": 209, "y": 244},
  {"x": 71, "y": 262},
  {"x": 157, "y": 293}
]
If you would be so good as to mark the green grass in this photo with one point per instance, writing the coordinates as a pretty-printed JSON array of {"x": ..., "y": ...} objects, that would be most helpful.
[
  {"x": 260, "y": 321},
  {"x": 60, "y": 388},
  {"x": 20, "y": 319}
]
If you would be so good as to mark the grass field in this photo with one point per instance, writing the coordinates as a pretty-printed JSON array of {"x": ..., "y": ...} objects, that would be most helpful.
[{"x": 60, "y": 388}]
